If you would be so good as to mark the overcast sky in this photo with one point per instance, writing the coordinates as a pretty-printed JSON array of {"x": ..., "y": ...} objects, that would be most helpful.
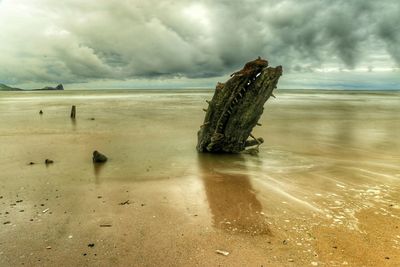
[{"x": 156, "y": 43}]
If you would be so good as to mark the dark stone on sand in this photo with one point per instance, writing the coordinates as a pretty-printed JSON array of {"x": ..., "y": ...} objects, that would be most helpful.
[
  {"x": 31, "y": 163},
  {"x": 48, "y": 161},
  {"x": 40, "y": 112},
  {"x": 98, "y": 157}
]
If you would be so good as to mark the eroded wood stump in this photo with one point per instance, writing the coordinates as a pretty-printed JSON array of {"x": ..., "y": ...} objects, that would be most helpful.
[
  {"x": 236, "y": 107},
  {"x": 73, "y": 112}
]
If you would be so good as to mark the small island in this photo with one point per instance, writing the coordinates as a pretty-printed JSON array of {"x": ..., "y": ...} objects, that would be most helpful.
[{"x": 4, "y": 87}]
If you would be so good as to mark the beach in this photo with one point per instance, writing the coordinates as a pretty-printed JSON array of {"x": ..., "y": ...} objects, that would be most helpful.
[{"x": 324, "y": 189}]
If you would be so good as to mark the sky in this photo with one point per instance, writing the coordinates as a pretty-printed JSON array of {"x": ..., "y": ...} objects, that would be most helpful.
[{"x": 324, "y": 44}]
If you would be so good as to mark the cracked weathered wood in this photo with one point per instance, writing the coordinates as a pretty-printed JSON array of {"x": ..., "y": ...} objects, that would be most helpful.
[{"x": 236, "y": 107}]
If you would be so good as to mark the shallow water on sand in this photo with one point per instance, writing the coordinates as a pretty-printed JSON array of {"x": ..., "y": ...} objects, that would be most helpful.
[{"x": 324, "y": 189}]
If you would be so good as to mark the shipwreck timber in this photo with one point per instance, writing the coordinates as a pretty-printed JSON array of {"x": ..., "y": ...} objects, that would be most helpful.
[{"x": 236, "y": 107}]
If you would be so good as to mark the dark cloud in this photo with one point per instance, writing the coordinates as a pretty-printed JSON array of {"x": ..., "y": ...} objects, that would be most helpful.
[
  {"x": 388, "y": 29},
  {"x": 77, "y": 41}
]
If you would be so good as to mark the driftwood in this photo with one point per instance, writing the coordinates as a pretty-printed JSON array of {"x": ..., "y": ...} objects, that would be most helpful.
[{"x": 236, "y": 107}]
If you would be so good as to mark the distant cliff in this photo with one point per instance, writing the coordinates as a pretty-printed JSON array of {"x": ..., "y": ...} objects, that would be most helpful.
[
  {"x": 4, "y": 87},
  {"x": 47, "y": 88}
]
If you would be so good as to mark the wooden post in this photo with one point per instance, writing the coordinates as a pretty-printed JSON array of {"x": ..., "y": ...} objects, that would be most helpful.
[
  {"x": 73, "y": 112},
  {"x": 237, "y": 106}
]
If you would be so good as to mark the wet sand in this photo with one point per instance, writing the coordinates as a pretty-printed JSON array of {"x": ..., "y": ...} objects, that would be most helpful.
[{"x": 324, "y": 190}]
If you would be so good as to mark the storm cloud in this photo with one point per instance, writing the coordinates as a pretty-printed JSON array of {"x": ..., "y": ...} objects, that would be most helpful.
[{"x": 85, "y": 41}]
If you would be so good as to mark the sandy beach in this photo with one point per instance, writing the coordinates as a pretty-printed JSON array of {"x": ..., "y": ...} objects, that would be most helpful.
[{"x": 323, "y": 191}]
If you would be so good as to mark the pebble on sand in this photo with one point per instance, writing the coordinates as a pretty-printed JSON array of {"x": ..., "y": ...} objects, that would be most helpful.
[
  {"x": 222, "y": 252},
  {"x": 125, "y": 203}
]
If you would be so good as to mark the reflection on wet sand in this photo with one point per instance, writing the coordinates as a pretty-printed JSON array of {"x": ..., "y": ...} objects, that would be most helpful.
[
  {"x": 97, "y": 168},
  {"x": 73, "y": 122},
  {"x": 231, "y": 198}
]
